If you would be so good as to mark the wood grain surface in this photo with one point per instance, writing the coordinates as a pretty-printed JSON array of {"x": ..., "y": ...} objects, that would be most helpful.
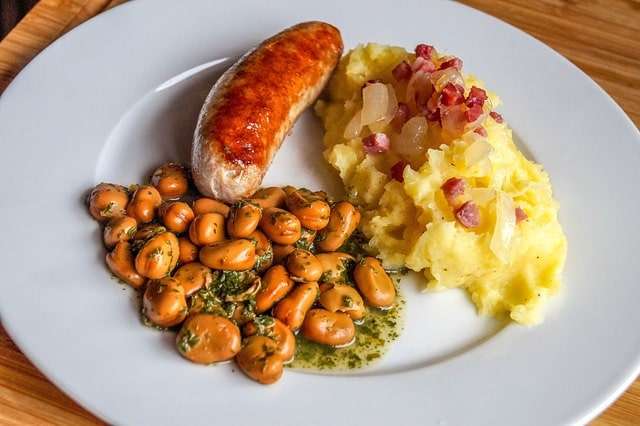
[{"x": 602, "y": 37}]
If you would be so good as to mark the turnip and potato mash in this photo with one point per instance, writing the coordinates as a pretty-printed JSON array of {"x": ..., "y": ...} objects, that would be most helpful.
[{"x": 442, "y": 186}]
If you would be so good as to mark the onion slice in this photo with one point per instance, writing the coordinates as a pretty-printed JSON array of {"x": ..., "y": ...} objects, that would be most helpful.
[
  {"x": 411, "y": 142},
  {"x": 354, "y": 126},
  {"x": 375, "y": 103},
  {"x": 476, "y": 152},
  {"x": 504, "y": 228}
]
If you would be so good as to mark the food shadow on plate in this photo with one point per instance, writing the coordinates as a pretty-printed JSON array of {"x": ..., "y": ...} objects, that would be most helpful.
[{"x": 159, "y": 127}]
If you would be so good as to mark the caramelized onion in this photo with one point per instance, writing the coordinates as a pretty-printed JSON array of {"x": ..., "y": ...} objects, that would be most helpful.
[
  {"x": 375, "y": 103},
  {"x": 354, "y": 126},
  {"x": 504, "y": 228},
  {"x": 412, "y": 139}
]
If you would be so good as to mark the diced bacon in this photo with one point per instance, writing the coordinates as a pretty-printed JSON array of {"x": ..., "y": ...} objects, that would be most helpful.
[
  {"x": 401, "y": 117},
  {"x": 376, "y": 143},
  {"x": 397, "y": 170},
  {"x": 424, "y": 51},
  {"x": 453, "y": 188},
  {"x": 424, "y": 65},
  {"x": 521, "y": 215},
  {"x": 476, "y": 96},
  {"x": 497, "y": 117},
  {"x": 453, "y": 62},
  {"x": 481, "y": 131},
  {"x": 452, "y": 95},
  {"x": 468, "y": 215},
  {"x": 402, "y": 71},
  {"x": 473, "y": 113}
]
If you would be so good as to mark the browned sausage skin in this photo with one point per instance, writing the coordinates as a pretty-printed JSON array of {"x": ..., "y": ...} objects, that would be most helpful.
[{"x": 254, "y": 104}]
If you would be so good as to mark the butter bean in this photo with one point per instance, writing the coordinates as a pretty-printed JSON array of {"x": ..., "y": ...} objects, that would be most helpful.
[
  {"x": 269, "y": 197},
  {"x": 164, "y": 303},
  {"x": 328, "y": 328},
  {"x": 280, "y": 226},
  {"x": 193, "y": 276},
  {"x": 188, "y": 251},
  {"x": 158, "y": 256},
  {"x": 280, "y": 252},
  {"x": 335, "y": 266},
  {"x": 343, "y": 298},
  {"x": 243, "y": 219},
  {"x": 276, "y": 284},
  {"x": 170, "y": 180},
  {"x": 233, "y": 255},
  {"x": 275, "y": 329},
  {"x": 344, "y": 219},
  {"x": 264, "y": 251},
  {"x": 374, "y": 283},
  {"x": 209, "y": 205},
  {"x": 292, "y": 309},
  {"x": 206, "y": 339},
  {"x": 118, "y": 229},
  {"x": 259, "y": 359},
  {"x": 120, "y": 262},
  {"x": 311, "y": 210},
  {"x": 176, "y": 216},
  {"x": 108, "y": 201},
  {"x": 143, "y": 205},
  {"x": 206, "y": 229},
  {"x": 303, "y": 266}
]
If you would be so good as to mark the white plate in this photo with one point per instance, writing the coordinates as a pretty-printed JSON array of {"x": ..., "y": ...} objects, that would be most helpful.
[{"x": 120, "y": 94}]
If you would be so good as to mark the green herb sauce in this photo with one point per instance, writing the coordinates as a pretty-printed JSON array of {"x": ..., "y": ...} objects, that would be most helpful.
[{"x": 373, "y": 338}]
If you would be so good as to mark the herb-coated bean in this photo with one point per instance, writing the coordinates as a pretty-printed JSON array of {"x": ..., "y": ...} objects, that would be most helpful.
[
  {"x": 335, "y": 266},
  {"x": 118, "y": 229},
  {"x": 193, "y": 276},
  {"x": 233, "y": 255},
  {"x": 206, "y": 338},
  {"x": 264, "y": 251},
  {"x": 374, "y": 283},
  {"x": 209, "y": 205},
  {"x": 276, "y": 284},
  {"x": 269, "y": 197},
  {"x": 312, "y": 210},
  {"x": 107, "y": 201},
  {"x": 280, "y": 252},
  {"x": 243, "y": 219},
  {"x": 206, "y": 229},
  {"x": 144, "y": 203},
  {"x": 292, "y": 309},
  {"x": 280, "y": 226},
  {"x": 259, "y": 359},
  {"x": 307, "y": 237},
  {"x": 171, "y": 180},
  {"x": 158, "y": 256},
  {"x": 343, "y": 298},
  {"x": 344, "y": 219},
  {"x": 303, "y": 266},
  {"x": 147, "y": 231},
  {"x": 120, "y": 262},
  {"x": 275, "y": 329},
  {"x": 164, "y": 303},
  {"x": 176, "y": 216},
  {"x": 188, "y": 251},
  {"x": 328, "y": 328}
]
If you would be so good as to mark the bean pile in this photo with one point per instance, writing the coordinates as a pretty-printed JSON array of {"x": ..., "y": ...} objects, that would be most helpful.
[{"x": 239, "y": 280}]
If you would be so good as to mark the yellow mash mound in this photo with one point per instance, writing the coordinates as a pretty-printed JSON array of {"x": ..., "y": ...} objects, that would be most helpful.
[{"x": 508, "y": 269}]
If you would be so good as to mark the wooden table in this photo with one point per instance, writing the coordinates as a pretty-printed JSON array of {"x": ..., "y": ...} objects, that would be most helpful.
[{"x": 602, "y": 37}]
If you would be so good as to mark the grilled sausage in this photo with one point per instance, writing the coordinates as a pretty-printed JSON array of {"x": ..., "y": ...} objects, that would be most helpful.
[{"x": 255, "y": 103}]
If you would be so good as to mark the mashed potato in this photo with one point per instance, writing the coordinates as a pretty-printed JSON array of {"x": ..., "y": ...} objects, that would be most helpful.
[{"x": 509, "y": 263}]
